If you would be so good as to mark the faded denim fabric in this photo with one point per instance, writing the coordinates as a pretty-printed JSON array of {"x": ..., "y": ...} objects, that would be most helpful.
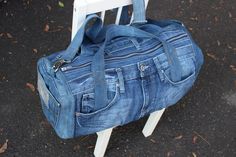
[{"x": 110, "y": 76}]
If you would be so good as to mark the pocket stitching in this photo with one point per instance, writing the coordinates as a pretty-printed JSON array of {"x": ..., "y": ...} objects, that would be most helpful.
[
  {"x": 79, "y": 114},
  {"x": 181, "y": 81}
]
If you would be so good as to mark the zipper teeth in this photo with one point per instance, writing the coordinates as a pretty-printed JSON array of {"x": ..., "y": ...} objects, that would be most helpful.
[{"x": 122, "y": 57}]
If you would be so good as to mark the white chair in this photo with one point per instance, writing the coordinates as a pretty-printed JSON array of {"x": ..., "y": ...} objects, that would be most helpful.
[{"x": 82, "y": 8}]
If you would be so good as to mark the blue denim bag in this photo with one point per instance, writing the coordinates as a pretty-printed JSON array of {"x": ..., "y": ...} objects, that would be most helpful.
[{"x": 112, "y": 75}]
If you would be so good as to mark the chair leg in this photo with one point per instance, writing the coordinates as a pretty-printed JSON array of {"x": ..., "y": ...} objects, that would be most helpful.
[
  {"x": 152, "y": 122},
  {"x": 102, "y": 142}
]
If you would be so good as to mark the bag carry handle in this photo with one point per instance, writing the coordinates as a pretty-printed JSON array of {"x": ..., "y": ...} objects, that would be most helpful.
[
  {"x": 139, "y": 12},
  {"x": 98, "y": 62},
  {"x": 75, "y": 44},
  {"x": 70, "y": 53}
]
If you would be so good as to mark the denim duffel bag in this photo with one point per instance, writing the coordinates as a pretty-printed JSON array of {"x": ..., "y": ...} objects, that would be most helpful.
[{"x": 110, "y": 76}]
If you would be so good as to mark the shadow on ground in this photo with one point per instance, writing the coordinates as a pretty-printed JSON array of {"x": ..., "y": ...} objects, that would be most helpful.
[{"x": 202, "y": 124}]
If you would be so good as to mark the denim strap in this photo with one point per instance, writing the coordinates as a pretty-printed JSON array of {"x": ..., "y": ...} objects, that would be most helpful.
[
  {"x": 139, "y": 13},
  {"x": 98, "y": 62},
  {"x": 75, "y": 44}
]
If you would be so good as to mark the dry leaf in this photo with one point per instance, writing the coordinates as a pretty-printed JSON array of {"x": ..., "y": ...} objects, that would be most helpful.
[
  {"x": 170, "y": 153},
  {"x": 35, "y": 50},
  {"x": 153, "y": 141},
  {"x": 233, "y": 68},
  {"x": 49, "y": 7},
  {"x": 3, "y": 148},
  {"x": 9, "y": 35},
  {"x": 218, "y": 42},
  {"x": 230, "y": 47},
  {"x": 76, "y": 148},
  {"x": 194, "y": 139},
  {"x": 61, "y": 4},
  {"x": 194, "y": 154},
  {"x": 230, "y": 15},
  {"x": 179, "y": 137},
  {"x": 216, "y": 19},
  {"x": 46, "y": 28},
  {"x": 90, "y": 147},
  {"x": 212, "y": 56},
  {"x": 30, "y": 86},
  {"x": 194, "y": 18}
]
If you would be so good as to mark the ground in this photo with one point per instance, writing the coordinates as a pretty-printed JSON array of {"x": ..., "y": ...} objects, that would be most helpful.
[{"x": 202, "y": 124}]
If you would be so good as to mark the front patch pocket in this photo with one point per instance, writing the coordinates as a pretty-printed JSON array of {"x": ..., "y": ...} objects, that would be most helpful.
[{"x": 97, "y": 118}]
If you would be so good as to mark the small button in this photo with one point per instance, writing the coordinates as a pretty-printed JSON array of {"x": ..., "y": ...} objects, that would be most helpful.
[{"x": 142, "y": 67}]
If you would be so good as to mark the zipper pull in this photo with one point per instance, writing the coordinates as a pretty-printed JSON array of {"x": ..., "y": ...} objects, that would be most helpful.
[{"x": 66, "y": 68}]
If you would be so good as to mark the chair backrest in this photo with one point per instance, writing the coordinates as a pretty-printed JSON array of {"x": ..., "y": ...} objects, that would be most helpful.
[{"x": 82, "y": 8}]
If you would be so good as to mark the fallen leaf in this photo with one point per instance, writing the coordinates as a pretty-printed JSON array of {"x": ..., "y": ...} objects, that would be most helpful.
[
  {"x": 194, "y": 18},
  {"x": 3, "y": 148},
  {"x": 46, "y": 28},
  {"x": 216, "y": 19},
  {"x": 31, "y": 86},
  {"x": 212, "y": 56},
  {"x": 35, "y": 50},
  {"x": 179, "y": 137},
  {"x": 49, "y": 7},
  {"x": 76, "y": 148},
  {"x": 230, "y": 47},
  {"x": 170, "y": 153},
  {"x": 9, "y": 35},
  {"x": 90, "y": 147},
  {"x": 1, "y": 34},
  {"x": 230, "y": 15},
  {"x": 153, "y": 141},
  {"x": 233, "y": 68},
  {"x": 61, "y": 4},
  {"x": 194, "y": 154},
  {"x": 194, "y": 139},
  {"x": 183, "y": 105},
  {"x": 218, "y": 42}
]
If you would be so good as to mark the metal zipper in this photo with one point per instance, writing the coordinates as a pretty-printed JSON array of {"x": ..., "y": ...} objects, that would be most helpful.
[{"x": 69, "y": 67}]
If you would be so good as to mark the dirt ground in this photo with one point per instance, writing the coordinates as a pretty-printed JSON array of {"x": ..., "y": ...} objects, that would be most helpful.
[{"x": 202, "y": 124}]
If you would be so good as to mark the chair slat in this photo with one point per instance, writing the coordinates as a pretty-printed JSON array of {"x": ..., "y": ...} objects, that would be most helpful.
[
  {"x": 103, "y": 13},
  {"x": 118, "y": 15},
  {"x": 95, "y": 6}
]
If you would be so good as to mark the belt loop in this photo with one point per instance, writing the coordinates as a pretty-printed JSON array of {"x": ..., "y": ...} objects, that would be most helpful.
[
  {"x": 159, "y": 69},
  {"x": 121, "y": 80},
  {"x": 135, "y": 42}
]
